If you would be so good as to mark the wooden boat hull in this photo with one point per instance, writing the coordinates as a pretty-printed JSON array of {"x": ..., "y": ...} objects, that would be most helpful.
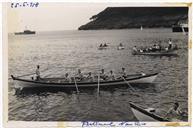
[
  {"x": 146, "y": 79},
  {"x": 156, "y": 53},
  {"x": 120, "y": 48},
  {"x": 143, "y": 115}
]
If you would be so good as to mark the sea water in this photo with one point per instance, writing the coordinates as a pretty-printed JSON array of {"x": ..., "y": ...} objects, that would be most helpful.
[{"x": 59, "y": 52}]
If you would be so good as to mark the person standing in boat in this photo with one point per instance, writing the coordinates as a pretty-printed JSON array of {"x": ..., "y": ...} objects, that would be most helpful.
[
  {"x": 38, "y": 73},
  {"x": 174, "y": 112},
  {"x": 170, "y": 44},
  {"x": 103, "y": 76},
  {"x": 111, "y": 75}
]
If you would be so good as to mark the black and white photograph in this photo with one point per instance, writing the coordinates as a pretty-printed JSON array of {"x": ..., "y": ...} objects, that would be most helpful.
[{"x": 98, "y": 62}]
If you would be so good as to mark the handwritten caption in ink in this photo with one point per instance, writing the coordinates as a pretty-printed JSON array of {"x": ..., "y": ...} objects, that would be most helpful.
[
  {"x": 88, "y": 124},
  {"x": 24, "y": 4}
]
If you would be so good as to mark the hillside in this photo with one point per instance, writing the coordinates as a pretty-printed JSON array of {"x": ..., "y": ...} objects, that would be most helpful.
[{"x": 135, "y": 17}]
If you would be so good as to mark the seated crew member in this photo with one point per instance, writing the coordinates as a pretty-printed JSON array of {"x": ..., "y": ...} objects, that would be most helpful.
[
  {"x": 103, "y": 76},
  {"x": 111, "y": 75},
  {"x": 79, "y": 75},
  {"x": 101, "y": 45},
  {"x": 38, "y": 73},
  {"x": 89, "y": 77},
  {"x": 121, "y": 45},
  {"x": 174, "y": 112},
  {"x": 135, "y": 49},
  {"x": 123, "y": 73},
  {"x": 67, "y": 78},
  {"x": 154, "y": 48},
  {"x": 105, "y": 45}
]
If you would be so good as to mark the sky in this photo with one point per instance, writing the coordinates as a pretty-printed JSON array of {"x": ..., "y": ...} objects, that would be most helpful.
[
  {"x": 51, "y": 16},
  {"x": 57, "y": 16}
]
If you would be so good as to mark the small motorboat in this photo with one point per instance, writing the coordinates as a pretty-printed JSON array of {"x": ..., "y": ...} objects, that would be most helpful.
[
  {"x": 145, "y": 115},
  {"x": 59, "y": 82}
]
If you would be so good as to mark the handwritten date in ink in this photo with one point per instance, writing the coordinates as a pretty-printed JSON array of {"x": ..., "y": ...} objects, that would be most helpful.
[{"x": 25, "y": 4}]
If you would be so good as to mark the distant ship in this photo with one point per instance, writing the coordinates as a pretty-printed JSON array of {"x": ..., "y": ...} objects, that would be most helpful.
[
  {"x": 25, "y": 32},
  {"x": 180, "y": 28}
]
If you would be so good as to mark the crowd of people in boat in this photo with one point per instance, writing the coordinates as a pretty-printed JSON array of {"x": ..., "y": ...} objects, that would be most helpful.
[
  {"x": 105, "y": 45},
  {"x": 90, "y": 77},
  {"x": 156, "y": 47}
]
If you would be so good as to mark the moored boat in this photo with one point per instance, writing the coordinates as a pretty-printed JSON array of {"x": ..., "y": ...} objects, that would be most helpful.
[
  {"x": 25, "y": 32},
  {"x": 144, "y": 115},
  {"x": 58, "y": 82}
]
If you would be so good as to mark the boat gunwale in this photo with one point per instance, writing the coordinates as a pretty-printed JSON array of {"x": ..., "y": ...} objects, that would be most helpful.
[
  {"x": 154, "y": 116},
  {"x": 85, "y": 83},
  {"x": 158, "y": 53}
]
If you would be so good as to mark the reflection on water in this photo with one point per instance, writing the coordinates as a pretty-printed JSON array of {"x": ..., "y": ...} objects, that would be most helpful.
[{"x": 65, "y": 51}]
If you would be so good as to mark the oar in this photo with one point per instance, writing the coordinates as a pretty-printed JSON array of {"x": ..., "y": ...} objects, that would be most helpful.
[
  {"x": 98, "y": 90},
  {"x": 128, "y": 83},
  {"x": 24, "y": 75},
  {"x": 29, "y": 74},
  {"x": 76, "y": 85}
]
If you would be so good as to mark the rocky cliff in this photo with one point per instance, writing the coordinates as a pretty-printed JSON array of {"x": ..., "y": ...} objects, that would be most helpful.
[{"x": 135, "y": 17}]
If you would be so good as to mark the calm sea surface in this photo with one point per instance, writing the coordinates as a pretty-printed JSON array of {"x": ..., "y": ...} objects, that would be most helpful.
[{"x": 65, "y": 51}]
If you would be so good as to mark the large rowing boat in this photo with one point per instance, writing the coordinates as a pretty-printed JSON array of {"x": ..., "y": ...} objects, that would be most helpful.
[
  {"x": 144, "y": 115},
  {"x": 59, "y": 82},
  {"x": 156, "y": 53}
]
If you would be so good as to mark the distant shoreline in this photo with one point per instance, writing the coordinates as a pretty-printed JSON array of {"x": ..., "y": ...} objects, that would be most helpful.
[{"x": 137, "y": 17}]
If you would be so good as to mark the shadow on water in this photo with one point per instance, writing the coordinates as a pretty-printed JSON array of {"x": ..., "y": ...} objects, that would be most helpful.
[{"x": 46, "y": 90}]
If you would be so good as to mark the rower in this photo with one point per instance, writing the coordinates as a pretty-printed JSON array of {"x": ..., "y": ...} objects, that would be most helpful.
[
  {"x": 174, "y": 112},
  {"x": 101, "y": 45},
  {"x": 79, "y": 76},
  {"x": 111, "y": 76},
  {"x": 38, "y": 73},
  {"x": 103, "y": 76},
  {"x": 123, "y": 73},
  {"x": 66, "y": 78},
  {"x": 89, "y": 77},
  {"x": 170, "y": 44},
  {"x": 135, "y": 49},
  {"x": 121, "y": 45},
  {"x": 105, "y": 45}
]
